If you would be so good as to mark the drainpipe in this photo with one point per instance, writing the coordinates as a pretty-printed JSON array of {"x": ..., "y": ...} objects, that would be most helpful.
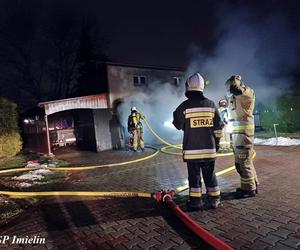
[{"x": 48, "y": 136}]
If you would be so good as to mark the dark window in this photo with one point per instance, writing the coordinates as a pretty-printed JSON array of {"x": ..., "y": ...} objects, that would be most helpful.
[
  {"x": 143, "y": 80},
  {"x": 135, "y": 80},
  {"x": 177, "y": 80},
  {"x": 139, "y": 80}
]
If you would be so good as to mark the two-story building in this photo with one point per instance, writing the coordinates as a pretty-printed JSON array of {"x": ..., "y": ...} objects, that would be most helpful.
[{"x": 90, "y": 121}]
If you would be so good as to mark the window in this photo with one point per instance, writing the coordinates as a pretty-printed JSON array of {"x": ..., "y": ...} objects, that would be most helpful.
[
  {"x": 139, "y": 80},
  {"x": 177, "y": 80}
]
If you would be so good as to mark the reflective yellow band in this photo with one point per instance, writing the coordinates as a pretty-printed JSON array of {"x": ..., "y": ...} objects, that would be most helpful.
[
  {"x": 224, "y": 143},
  {"x": 216, "y": 193},
  {"x": 218, "y": 131},
  {"x": 199, "y": 109},
  {"x": 241, "y": 128},
  {"x": 195, "y": 194},
  {"x": 199, "y": 156},
  {"x": 247, "y": 180},
  {"x": 200, "y": 114}
]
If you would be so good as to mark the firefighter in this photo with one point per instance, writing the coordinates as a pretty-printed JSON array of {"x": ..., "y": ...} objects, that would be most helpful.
[
  {"x": 199, "y": 119},
  {"x": 225, "y": 145},
  {"x": 135, "y": 127},
  {"x": 241, "y": 105}
]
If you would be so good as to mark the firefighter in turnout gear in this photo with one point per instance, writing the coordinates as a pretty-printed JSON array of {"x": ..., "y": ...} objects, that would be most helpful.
[
  {"x": 135, "y": 127},
  {"x": 241, "y": 124},
  {"x": 200, "y": 121},
  {"x": 225, "y": 142}
]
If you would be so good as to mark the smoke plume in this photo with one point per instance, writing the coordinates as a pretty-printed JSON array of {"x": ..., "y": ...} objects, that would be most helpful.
[
  {"x": 157, "y": 103},
  {"x": 262, "y": 49}
]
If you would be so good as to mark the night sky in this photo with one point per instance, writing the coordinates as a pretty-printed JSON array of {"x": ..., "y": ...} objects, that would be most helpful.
[
  {"x": 165, "y": 32},
  {"x": 41, "y": 40}
]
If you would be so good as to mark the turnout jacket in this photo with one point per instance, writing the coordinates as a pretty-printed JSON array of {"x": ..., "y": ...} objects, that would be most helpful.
[
  {"x": 199, "y": 118},
  {"x": 241, "y": 125}
]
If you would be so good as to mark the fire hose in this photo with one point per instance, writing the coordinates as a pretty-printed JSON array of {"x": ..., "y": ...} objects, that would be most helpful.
[
  {"x": 161, "y": 196},
  {"x": 167, "y": 197}
]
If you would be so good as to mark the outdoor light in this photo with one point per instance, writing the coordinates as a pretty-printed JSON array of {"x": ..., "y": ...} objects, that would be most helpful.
[{"x": 26, "y": 121}]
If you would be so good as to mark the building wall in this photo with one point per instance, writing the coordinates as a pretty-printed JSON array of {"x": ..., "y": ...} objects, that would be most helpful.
[
  {"x": 120, "y": 79},
  {"x": 108, "y": 132}
]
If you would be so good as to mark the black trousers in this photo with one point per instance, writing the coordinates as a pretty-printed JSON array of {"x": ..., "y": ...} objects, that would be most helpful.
[{"x": 209, "y": 177}]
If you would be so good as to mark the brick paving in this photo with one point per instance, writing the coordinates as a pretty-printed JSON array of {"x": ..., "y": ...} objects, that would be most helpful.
[{"x": 270, "y": 220}]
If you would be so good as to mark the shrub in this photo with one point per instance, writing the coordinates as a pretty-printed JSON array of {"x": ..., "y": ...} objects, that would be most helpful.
[
  {"x": 10, "y": 144},
  {"x": 10, "y": 139}
]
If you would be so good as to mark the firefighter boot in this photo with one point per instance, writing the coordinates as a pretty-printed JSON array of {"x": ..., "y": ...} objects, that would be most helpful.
[
  {"x": 214, "y": 202},
  {"x": 191, "y": 206},
  {"x": 241, "y": 193}
]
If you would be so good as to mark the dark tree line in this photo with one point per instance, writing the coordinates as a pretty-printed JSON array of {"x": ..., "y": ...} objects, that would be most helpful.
[{"x": 44, "y": 49}]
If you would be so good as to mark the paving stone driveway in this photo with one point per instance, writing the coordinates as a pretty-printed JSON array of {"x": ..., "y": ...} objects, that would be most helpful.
[{"x": 269, "y": 221}]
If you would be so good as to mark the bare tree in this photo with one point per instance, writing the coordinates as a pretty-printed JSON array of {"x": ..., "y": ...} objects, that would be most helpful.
[{"x": 41, "y": 45}]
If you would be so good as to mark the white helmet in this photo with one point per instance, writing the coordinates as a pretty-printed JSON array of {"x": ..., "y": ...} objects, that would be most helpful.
[
  {"x": 195, "y": 83},
  {"x": 133, "y": 109}
]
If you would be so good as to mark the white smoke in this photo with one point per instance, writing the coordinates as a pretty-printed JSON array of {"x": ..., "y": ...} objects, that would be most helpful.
[
  {"x": 157, "y": 103},
  {"x": 264, "y": 52}
]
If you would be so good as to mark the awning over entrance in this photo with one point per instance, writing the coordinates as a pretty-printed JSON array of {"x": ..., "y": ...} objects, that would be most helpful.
[{"x": 83, "y": 102}]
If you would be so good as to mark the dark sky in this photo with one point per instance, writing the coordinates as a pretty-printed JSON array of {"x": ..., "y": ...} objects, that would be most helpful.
[
  {"x": 216, "y": 37},
  {"x": 163, "y": 32},
  {"x": 157, "y": 33}
]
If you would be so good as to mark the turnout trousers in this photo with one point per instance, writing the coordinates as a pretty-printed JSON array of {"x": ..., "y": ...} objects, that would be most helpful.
[
  {"x": 243, "y": 154},
  {"x": 138, "y": 139},
  {"x": 209, "y": 177}
]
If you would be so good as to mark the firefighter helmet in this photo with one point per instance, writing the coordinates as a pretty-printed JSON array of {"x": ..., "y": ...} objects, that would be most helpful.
[
  {"x": 133, "y": 109},
  {"x": 194, "y": 83},
  {"x": 234, "y": 85},
  {"x": 223, "y": 103}
]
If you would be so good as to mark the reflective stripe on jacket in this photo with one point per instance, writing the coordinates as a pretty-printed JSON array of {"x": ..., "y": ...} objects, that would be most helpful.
[
  {"x": 200, "y": 120},
  {"x": 241, "y": 110}
]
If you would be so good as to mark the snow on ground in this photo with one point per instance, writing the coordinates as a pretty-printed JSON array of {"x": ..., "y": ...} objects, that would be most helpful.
[
  {"x": 41, "y": 171},
  {"x": 24, "y": 184},
  {"x": 280, "y": 141},
  {"x": 29, "y": 176},
  {"x": 32, "y": 178}
]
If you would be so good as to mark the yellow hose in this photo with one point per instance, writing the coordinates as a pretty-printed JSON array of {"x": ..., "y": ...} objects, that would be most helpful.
[
  {"x": 159, "y": 138},
  {"x": 18, "y": 195},
  {"x": 86, "y": 167},
  {"x": 106, "y": 194}
]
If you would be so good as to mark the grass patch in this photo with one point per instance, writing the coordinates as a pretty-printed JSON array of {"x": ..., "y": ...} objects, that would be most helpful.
[
  {"x": 18, "y": 161},
  {"x": 270, "y": 134},
  {"x": 49, "y": 182},
  {"x": 21, "y": 160},
  {"x": 10, "y": 209}
]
